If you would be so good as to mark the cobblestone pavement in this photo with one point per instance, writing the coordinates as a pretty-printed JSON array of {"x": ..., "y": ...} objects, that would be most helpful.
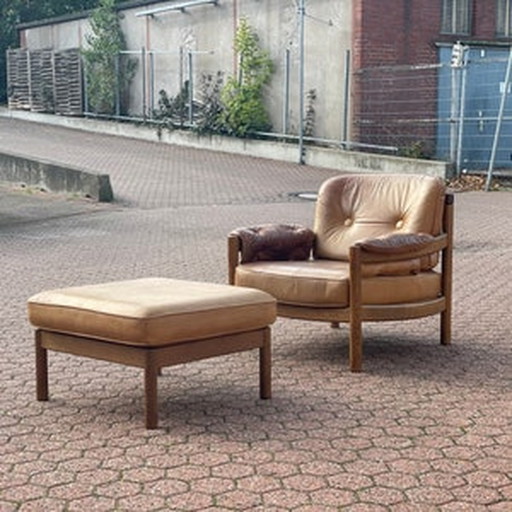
[{"x": 423, "y": 428}]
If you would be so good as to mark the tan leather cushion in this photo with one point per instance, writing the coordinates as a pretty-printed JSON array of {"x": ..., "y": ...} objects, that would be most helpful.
[
  {"x": 325, "y": 283},
  {"x": 397, "y": 244},
  {"x": 152, "y": 311},
  {"x": 352, "y": 208}
]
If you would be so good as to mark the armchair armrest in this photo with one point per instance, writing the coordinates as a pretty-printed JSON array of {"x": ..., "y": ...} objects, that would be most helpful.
[
  {"x": 274, "y": 242},
  {"x": 397, "y": 244},
  {"x": 400, "y": 247},
  {"x": 396, "y": 254}
]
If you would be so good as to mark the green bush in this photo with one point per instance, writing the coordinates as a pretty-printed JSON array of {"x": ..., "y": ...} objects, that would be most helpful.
[
  {"x": 244, "y": 110},
  {"x": 107, "y": 73}
]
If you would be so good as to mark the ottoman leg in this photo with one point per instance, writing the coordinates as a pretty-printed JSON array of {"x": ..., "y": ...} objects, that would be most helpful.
[
  {"x": 266, "y": 366},
  {"x": 151, "y": 392},
  {"x": 41, "y": 369}
]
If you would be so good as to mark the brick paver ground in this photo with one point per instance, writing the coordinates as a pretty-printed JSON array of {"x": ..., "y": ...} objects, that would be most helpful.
[{"x": 423, "y": 428}]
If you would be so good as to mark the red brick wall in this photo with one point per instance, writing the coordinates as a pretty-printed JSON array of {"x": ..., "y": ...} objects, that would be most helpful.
[
  {"x": 484, "y": 19},
  {"x": 405, "y": 31},
  {"x": 401, "y": 32}
]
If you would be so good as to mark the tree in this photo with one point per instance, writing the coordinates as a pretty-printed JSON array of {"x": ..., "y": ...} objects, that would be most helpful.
[
  {"x": 106, "y": 73},
  {"x": 13, "y": 12},
  {"x": 242, "y": 97}
]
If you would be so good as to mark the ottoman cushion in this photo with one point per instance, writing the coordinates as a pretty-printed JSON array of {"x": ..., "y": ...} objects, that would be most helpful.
[{"x": 152, "y": 311}]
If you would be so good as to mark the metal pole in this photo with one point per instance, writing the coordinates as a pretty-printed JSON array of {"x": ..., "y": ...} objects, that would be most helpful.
[
  {"x": 499, "y": 121},
  {"x": 286, "y": 105},
  {"x": 346, "y": 98},
  {"x": 143, "y": 62},
  {"x": 181, "y": 70},
  {"x": 453, "y": 115},
  {"x": 462, "y": 111},
  {"x": 302, "y": 15},
  {"x": 151, "y": 84},
  {"x": 190, "y": 89},
  {"x": 118, "y": 85}
]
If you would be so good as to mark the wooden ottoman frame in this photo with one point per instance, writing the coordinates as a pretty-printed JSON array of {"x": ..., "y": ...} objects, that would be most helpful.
[{"x": 152, "y": 359}]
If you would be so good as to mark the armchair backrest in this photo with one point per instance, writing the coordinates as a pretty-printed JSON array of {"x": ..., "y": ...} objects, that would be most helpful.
[{"x": 351, "y": 208}]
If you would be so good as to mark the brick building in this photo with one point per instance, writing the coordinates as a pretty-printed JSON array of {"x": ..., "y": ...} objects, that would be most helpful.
[{"x": 408, "y": 36}]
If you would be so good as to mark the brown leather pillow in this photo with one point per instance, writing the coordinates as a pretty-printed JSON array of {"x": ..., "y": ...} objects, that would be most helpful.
[
  {"x": 399, "y": 243},
  {"x": 269, "y": 242}
]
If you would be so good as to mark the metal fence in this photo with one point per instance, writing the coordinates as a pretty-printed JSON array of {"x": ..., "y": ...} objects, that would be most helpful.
[
  {"x": 172, "y": 72},
  {"x": 188, "y": 73},
  {"x": 458, "y": 110}
]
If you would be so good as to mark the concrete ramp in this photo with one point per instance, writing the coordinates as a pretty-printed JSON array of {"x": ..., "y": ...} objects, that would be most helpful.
[{"x": 54, "y": 177}]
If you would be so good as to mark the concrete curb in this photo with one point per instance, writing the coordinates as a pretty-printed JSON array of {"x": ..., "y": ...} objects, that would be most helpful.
[{"x": 53, "y": 177}]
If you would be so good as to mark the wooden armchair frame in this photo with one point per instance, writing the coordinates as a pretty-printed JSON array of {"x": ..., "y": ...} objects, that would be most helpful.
[{"x": 357, "y": 312}]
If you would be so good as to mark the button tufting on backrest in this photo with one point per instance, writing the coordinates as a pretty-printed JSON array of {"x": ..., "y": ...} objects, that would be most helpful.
[{"x": 351, "y": 208}]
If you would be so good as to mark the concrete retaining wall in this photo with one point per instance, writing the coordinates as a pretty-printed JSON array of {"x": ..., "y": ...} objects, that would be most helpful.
[
  {"x": 349, "y": 161},
  {"x": 54, "y": 177}
]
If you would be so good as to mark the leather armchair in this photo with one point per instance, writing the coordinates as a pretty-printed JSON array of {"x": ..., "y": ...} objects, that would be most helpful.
[{"x": 380, "y": 250}]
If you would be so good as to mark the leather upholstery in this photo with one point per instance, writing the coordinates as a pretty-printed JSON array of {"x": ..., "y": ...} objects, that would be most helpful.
[
  {"x": 152, "y": 311},
  {"x": 352, "y": 208},
  {"x": 368, "y": 263},
  {"x": 275, "y": 242},
  {"x": 325, "y": 283},
  {"x": 396, "y": 244}
]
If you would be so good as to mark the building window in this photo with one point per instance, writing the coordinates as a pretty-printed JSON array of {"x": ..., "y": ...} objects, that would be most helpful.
[
  {"x": 456, "y": 17},
  {"x": 503, "y": 18}
]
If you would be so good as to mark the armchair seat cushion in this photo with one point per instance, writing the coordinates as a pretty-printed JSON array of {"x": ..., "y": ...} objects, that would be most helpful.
[{"x": 326, "y": 284}]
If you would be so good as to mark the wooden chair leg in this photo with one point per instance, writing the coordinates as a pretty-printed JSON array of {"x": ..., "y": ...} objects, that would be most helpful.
[
  {"x": 266, "y": 366},
  {"x": 447, "y": 267},
  {"x": 446, "y": 328},
  {"x": 41, "y": 369},
  {"x": 356, "y": 316},
  {"x": 151, "y": 393},
  {"x": 356, "y": 346}
]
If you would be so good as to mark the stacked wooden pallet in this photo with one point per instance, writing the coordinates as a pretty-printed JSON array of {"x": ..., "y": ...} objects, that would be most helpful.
[
  {"x": 45, "y": 80},
  {"x": 41, "y": 80},
  {"x": 18, "y": 79},
  {"x": 68, "y": 83}
]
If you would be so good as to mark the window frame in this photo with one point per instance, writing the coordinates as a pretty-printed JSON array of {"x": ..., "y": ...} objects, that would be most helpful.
[
  {"x": 456, "y": 17},
  {"x": 503, "y": 18}
]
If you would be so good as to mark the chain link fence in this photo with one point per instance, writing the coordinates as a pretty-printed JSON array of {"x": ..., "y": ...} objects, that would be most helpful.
[{"x": 458, "y": 110}]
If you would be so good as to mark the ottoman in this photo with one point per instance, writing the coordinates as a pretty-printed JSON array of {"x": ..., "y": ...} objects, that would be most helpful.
[{"x": 152, "y": 323}]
